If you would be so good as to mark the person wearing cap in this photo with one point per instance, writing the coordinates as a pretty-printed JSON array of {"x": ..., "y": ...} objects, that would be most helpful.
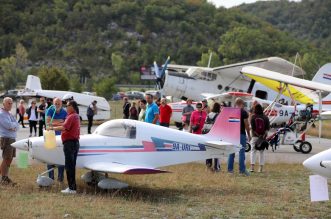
[
  {"x": 67, "y": 97},
  {"x": 244, "y": 129},
  {"x": 91, "y": 111}
]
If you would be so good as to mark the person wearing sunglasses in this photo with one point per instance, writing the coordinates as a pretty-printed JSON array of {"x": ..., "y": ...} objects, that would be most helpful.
[
  {"x": 70, "y": 132},
  {"x": 197, "y": 120}
]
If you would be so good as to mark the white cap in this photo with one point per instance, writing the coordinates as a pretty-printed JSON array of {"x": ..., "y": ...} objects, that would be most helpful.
[{"x": 67, "y": 97}]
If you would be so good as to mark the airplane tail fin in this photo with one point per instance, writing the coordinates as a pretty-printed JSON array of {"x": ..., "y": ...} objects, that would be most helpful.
[
  {"x": 323, "y": 74},
  {"x": 227, "y": 126},
  {"x": 33, "y": 83}
]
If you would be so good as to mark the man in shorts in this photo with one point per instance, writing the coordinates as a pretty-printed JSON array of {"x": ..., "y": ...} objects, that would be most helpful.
[{"x": 8, "y": 130}]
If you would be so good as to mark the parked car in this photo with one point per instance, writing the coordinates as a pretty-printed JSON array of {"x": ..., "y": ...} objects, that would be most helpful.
[
  {"x": 135, "y": 95},
  {"x": 118, "y": 96},
  {"x": 155, "y": 93},
  {"x": 9, "y": 93}
]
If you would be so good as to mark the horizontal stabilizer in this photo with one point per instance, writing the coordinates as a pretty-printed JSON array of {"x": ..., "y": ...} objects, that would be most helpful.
[
  {"x": 111, "y": 167},
  {"x": 226, "y": 148},
  {"x": 326, "y": 164}
]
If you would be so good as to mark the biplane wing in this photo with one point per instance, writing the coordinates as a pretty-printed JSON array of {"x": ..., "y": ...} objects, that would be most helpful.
[{"x": 303, "y": 91}]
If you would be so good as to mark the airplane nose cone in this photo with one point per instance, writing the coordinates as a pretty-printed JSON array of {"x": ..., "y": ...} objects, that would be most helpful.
[{"x": 21, "y": 144}]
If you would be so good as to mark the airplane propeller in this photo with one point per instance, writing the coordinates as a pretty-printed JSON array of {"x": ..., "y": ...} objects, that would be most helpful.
[{"x": 160, "y": 75}]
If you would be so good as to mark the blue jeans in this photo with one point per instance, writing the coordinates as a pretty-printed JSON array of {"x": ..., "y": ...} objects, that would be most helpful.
[
  {"x": 242, "y": 166},
  {"x": 60, "y": 174}
]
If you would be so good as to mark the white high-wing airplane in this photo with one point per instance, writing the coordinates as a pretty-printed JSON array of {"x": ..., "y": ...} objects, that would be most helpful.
[
  {"x": 33, "y": 89},
  {"x": 134, "y": 147},
  {"x": 297, "y": 89},
  {"x": 192, "y": 82}
]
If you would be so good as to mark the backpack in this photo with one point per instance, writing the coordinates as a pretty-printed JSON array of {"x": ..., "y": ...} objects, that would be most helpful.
[
  {"x": 259, "y": 126},
  {"x": 90, "y": 111}
]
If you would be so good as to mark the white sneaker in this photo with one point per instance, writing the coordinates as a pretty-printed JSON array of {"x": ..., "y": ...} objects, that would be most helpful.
[{"x": 68, "y": 191}]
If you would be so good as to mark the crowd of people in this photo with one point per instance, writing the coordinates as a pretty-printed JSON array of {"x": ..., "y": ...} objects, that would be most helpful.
[
  {"x": 66, "y": 122},
  {"x": 253, "y": 127},
  {"x": 50, "y": 115},
  {"x": 151, "y": 110}
]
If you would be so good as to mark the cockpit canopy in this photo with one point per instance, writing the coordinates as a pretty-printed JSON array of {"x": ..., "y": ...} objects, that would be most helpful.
[{"x": 117, "y": 128}]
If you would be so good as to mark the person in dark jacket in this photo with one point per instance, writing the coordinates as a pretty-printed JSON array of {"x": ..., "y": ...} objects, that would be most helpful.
[
  {"x": 126, "y": 108},
  {"x": 91, "y": 111},
  {"x": 32, "y": 117}
]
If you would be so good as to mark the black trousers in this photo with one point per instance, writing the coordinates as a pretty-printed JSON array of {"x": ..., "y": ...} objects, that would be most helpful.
[
  {"x": 70, "y": 149},
  {"x": 164, "y": 124},
  {"x": 21, "y": 119},
  {"x": 41, "y": 127},
  {"x": 33, "y": 124},
  {"x": 90, "y": 123}
]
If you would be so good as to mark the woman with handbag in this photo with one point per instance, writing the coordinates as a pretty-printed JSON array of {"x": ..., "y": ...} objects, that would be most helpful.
[
  {"x": 197, "y": 119},
  {"x": 260, "y": 125},
  {"x": 210, "y": 120}
]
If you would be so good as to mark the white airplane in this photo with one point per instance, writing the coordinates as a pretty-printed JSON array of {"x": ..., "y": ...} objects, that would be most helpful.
[
  {"x": 299, "y": 90},
  {"x": 33, "y": 89},
  {"x": 320, "y": 163},
  {"x": 192, "y": 82},
  {"x": 134, "y": 147}
]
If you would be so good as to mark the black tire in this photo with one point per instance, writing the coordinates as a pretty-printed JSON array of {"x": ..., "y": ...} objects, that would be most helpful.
[
  {"x": 248, "y": 147},
  {"x": 305, "y": 147},
  {"x": 296, "y": 146}
]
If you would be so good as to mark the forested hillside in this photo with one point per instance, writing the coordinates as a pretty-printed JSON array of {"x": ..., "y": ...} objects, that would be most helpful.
[
  {"x": 106, "y": 41},
  {"x": 308, "y": 20}
]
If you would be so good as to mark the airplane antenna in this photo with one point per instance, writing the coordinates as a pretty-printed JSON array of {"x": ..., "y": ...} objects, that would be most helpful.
[{"x": 209, "y": 61}]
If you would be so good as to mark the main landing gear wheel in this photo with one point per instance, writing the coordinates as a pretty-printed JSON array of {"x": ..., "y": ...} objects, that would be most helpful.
[
  {"x": 305, "y": 147},
  {"x": 248, "y": 147},
  {"x": 296, "y": 146}
]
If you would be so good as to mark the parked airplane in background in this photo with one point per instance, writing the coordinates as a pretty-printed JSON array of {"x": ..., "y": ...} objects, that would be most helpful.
[
  {"x": 191, "y": 82},
  {"x": 134, "y": 147},
  {"x": 299, "y": 90},
  {"x": 33, "y": 89}
]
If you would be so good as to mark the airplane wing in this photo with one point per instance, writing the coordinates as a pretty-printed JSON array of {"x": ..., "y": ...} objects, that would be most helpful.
[
  {"x": 113, "y": 167},
  {"x": 227, "y": 148},
  {"x": 228, "y": 96},
  {"x": 303, "y": 91}
]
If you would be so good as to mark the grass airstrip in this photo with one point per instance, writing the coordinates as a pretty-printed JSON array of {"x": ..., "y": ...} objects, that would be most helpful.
[{"x": 190, "y": 191}]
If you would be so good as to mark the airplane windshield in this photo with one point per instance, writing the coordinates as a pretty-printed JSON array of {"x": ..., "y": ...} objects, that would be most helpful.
[
  {"x": 206, "y": 75},
  {"x": 117, "y": 129}
]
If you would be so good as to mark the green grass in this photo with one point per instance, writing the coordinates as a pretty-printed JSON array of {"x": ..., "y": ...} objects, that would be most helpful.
[{"x": 189, "y": 192}]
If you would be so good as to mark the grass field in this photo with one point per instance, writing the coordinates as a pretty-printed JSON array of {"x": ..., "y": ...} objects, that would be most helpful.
[{"x": 189, "y": 192}]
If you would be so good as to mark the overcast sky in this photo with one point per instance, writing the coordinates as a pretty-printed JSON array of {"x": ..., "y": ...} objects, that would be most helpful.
[{"x": 231, "y": 3}]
